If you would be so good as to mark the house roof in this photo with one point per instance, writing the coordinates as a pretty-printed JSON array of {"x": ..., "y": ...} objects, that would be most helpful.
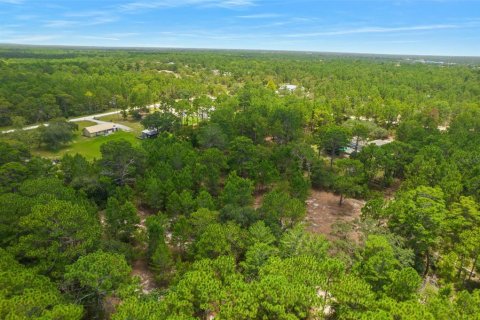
[
  {"x": 380, "y": 142},
  {"x": 290, "y": 87},
  {"x": 100, "y": 127}
]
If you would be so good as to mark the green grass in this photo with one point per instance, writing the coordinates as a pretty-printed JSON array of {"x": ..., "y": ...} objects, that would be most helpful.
[
  {"x": 89, "y": 147},
  {"x": 84, "y": 124},
  {"x": 136, "y": 126}
]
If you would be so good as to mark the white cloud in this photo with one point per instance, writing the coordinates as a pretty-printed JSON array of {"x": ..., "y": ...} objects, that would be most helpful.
[
  {"x": 92, "y": 18},
  {"x": 144, "y": 5},
  {"x": 59, "y": 23},
  {"x": 25, "y": 17},
  {"x": 260, "y": 16},
  {"x": 12, "y": 1},
  {"x": 234, "y": 3},
  {"x": 27, "y": 39},
  {"x": 375, "y": 30},
  {"x": 100, "y": 38},
  {"x": 123, "y": 34},
  {"x": 101, "y": 20}
]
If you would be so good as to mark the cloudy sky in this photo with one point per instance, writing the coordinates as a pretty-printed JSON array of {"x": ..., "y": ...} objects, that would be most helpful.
[{"x": 439, "y": 27}]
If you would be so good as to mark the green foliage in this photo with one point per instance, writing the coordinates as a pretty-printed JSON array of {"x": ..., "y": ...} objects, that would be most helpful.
[
  {"x": 13, "y": 153},
  {"x": 212, "y": 162},
  {"x": 332, "y": 139},
  {"x": 237, "y": 191},
  {"x": 225, "y": 135},
  {"x": 404, "y": 285},
  {"x": 161, "y": 122},
  {"x": 280, "y": 210},
  {"x": 95, "y": 276},
  {"x": 158, "y": 252},
  {"x": 349, "y": 178},
  {"x": 205, "y": 200},
  {"x": 57, "y": 134},
  {"x": 296, "y": 242},
  {"x": 121, "y": 161},
  {"x": 148, "y": 308},
  {"x": 180, "y": 204},
  {"x": 256, "y": 256},
  {"x": 27, "y": 295},
  {"x": 377, "y": 262},
  {"x": 286, "y": 123},
  {"x": 418, "y": 215},
  {"x": 11, "y": 175},
  {"x": 12, "y": 208},
  {"x": 99, "y": 272},
  {"x": 260, "y": 233},
  {"x": 121, "y": 219},
  {"x": 55, "y": 234},
  {"x": 211, "y": 136},
  {"x": 218, "y": 239}
]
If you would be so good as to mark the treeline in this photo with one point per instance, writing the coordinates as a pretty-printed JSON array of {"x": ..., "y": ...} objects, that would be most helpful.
[
  {"x": 216, "y": 208},
  {"x": 64, "y": 83}
]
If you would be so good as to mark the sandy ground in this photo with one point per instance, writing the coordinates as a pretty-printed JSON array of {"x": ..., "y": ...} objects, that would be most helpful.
[
  {"x": 140, "y": 265},
  {"x": 323, "y": 212},
  {"x": 258, "y": 200}
]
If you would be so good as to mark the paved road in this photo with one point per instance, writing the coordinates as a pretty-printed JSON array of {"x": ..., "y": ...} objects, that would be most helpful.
[
  {"x": 92, "y": 118},
  {"x": 95, "y": 117}
]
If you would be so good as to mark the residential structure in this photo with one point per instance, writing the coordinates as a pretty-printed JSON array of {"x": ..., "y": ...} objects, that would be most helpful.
[{"x": 99, "y": 130}]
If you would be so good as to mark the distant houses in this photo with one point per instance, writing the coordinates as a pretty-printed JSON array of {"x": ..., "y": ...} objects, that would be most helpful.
[
  {"x": 100, "y": 130},
  {"x": 350, "y": 149},
  {"x": 289, "y": 88}
]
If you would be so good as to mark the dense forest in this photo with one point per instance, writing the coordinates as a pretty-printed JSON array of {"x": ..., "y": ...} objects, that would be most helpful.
[{"x": 215, "y": 217}]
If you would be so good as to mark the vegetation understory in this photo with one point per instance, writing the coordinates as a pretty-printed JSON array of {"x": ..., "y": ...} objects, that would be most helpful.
[{"x": 353, "y": 196}]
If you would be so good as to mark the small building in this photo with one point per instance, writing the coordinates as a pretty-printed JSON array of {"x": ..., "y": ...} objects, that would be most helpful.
[
  {"x": 350, "y": 149},
  {"x": 149, "y": 133},
  {"x": 99, "y": 130},
  {"x": 380, "y": 142},
  {"x": 289, "y": 87}
]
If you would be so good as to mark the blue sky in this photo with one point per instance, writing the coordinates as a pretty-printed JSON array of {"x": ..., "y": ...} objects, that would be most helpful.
[{"x": 438, "y": 27}]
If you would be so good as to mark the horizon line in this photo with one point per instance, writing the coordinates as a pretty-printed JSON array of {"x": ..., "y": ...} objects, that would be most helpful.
[{"x": 4, "y": 44}]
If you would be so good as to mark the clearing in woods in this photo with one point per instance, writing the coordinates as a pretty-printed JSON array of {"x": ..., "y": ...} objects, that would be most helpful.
[
  {"x": 323, "y": 212},
  {"x": 140, "y": 265}
]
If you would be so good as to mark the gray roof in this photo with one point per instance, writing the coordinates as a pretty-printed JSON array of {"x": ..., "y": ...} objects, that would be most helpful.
[{"x": 100, "y": 127}]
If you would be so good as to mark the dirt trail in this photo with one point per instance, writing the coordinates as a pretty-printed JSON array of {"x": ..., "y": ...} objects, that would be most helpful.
[
  {"x": 258, "y": 200},
  {"x": 140, "y": 265},
  {"x": 323, "y": 212}
]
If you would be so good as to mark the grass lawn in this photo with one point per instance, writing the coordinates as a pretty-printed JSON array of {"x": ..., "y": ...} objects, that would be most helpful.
[
  {"x": 117, "y": 118},
  {"x": 89, "y": 147},
  {"x": 83, "y": 124}
]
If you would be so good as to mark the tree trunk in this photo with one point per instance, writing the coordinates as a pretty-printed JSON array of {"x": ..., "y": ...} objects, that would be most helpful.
[
  {"x": 356, "y": 144},
  {"x": 473, "y": 268},
  {"x": 460, "y": 269},
  {"x": 341, "y": 200},
  {"x": 427, "y": 266},
  {"x": 332, "y": 155}
]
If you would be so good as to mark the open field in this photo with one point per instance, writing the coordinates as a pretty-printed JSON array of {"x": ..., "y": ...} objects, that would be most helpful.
[
  {"x": 84, "y": 124},
  {"x": 323, "y": 212},
  {"x": 88, "y": 147},
  {"x": 136, "y": 126}
]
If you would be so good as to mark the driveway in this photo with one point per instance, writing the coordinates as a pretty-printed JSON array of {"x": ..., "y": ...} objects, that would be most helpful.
[{"x": 92, "y": 118}]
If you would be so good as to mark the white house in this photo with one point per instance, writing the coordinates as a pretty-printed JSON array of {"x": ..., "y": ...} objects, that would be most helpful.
[{"x": 99, "y": 130}]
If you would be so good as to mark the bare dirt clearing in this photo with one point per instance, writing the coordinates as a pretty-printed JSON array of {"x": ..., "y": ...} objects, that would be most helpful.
[
  {"x": 140, "y": 265},
  {"x": 323, "y": 212}
]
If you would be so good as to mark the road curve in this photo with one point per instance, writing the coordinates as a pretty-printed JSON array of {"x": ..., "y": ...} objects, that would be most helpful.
[{"x": 92, "y": 118}]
